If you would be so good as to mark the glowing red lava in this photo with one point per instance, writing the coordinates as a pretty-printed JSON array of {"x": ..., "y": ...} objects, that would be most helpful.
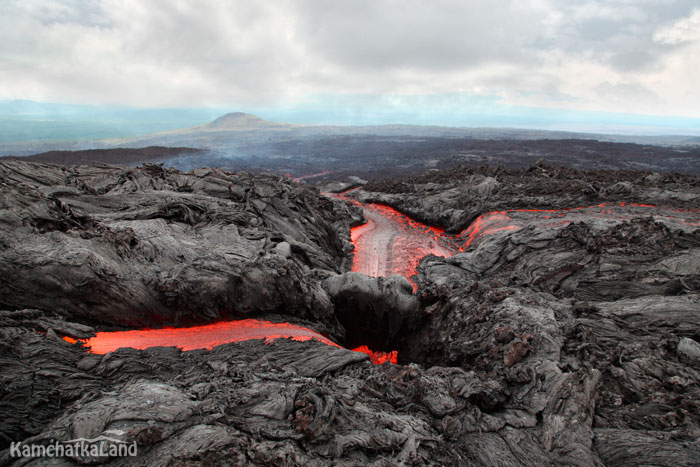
[
  {"x": 496, "y": 221},
  {"x": 484, "y": 225},
  {"x": 392, "y": 243},
  {"x": 209, "y": 336},
  {"x": 388, "y": 243},
  {"x": 378, "y": 358},
  {"x": 200, "y": 337}
]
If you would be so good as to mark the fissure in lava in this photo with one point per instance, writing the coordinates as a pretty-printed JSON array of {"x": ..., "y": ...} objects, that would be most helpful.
[
  {"x": 389, "y": 242},
  {"x": 392, "y": 243}
]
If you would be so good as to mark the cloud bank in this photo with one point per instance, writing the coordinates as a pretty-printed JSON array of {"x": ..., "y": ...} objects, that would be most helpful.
[{"x": 631, "y": 56}]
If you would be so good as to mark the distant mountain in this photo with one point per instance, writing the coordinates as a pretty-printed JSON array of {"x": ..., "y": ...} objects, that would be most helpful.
[
  {"x": 234, "y": 131},
  {"x": 241, "y": 141},
  {"x": 241, "y": 121}
]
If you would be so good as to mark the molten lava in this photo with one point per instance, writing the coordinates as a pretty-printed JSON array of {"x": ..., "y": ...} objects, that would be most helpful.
[
  {"x": 485, "y": 224},
  {"x": 392, "y": 243},
  {"x": 388, "y": 243},
  {"x": 515, "y": 219},
  {"x": 209, "y": 336},
  {"x": 378, "y": 358},
  {"x": 200, "y": 337}
]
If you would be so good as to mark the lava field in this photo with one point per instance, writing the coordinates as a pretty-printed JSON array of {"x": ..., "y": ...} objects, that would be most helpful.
[{"x": 471, "y": 316}]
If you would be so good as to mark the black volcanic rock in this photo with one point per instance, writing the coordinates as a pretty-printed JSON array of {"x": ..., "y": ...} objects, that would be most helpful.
[
  {"x": 551, "y": 343},
  {"x": 284, "y": 403},
  {"x": 117, "y": 156},
  {"x": 148, "y": 246},
  {"x": 455, "y": 198},
  {"x": 588, "y": 324},
  {"x": 373, "y": 310}
]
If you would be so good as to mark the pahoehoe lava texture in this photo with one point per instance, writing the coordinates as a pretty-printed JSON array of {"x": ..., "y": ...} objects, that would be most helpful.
[
  {"x": 148, "y": 246},
  {"x": 569, "y": 340}
]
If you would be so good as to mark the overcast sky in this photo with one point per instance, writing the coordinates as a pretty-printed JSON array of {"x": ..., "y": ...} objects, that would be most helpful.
[{"x": 435, "y": 57}]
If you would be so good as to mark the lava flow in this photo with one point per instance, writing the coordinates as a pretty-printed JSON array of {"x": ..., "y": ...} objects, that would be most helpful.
[
  {"x": 485, "y": 224},
  {"x": 378, "y": 358},
  {"x": 209, "y": 336},
  {"x": 515, "y": 219},
  {"x": 201, "y": 337},
  {"x": 393, "y": 243},
  {"x": 388, "y": 243}
]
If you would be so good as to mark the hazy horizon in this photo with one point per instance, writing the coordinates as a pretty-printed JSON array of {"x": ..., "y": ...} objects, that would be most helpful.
[
  {"x": 24, "y": 120},
  {"x": 615, "y": 67}
]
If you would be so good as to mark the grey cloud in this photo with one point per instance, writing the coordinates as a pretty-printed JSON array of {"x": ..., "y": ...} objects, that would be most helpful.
[
  {"x": 88, "y": 13},
  {"x": 373, "y": 34},
  {"x": 619, "y": 33},
  {"x": 444, "y": 35},
  {"x": 620, "y": 94},
  {"x": 164, "y": 52}
]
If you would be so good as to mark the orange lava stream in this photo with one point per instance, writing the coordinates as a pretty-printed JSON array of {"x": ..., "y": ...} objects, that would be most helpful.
[
  {"x": 485, "y": 224},
  {"x": 388, "y": 243},
  {"x": 496, "y": 221},
  {"x": 206, "y": 336},
  {"x": 392, "y": 243},
  {"x": 379, "y": 358},
  {"x": 209, "y": 336}
]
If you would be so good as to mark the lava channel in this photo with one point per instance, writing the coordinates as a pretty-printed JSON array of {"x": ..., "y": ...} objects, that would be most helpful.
[
  {"x": 392, "y": 243},
  {"x": 388, "y": 243},
  {"x": 515, "y": 219},
  {"x": 209, "y": 336}
]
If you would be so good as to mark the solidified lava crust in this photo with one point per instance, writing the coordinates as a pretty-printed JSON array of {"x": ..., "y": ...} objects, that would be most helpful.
[
  {"x": 390, "y": 242},
  {"x": 555, "y": 337}
]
